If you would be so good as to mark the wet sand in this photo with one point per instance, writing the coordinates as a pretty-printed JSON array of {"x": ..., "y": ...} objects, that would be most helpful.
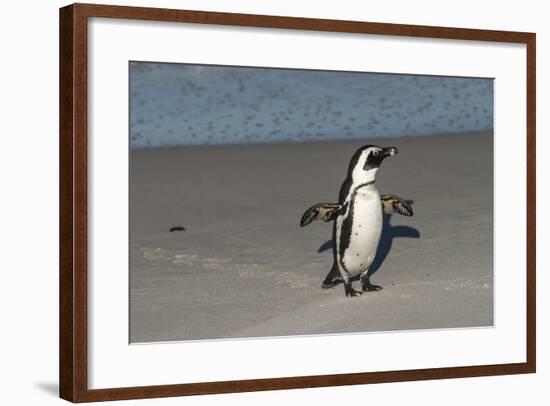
[{"x": 245, "y": 268}]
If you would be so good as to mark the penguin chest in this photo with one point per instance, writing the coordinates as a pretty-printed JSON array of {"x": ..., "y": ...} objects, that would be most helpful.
[{"x": 364, "y": 228}]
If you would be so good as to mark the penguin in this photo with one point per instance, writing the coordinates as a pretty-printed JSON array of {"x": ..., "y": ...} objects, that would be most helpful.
[{"x": 357, "y": 220}]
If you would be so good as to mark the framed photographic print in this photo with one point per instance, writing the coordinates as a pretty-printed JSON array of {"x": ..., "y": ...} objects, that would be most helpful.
[{"x": 256, "y": 202}]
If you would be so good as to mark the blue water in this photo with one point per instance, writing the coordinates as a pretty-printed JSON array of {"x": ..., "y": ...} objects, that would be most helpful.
[{"x": 179, "y": 104}]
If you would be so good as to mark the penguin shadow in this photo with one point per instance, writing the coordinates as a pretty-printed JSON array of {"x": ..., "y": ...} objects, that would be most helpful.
[{"x": 389, "y": 233}]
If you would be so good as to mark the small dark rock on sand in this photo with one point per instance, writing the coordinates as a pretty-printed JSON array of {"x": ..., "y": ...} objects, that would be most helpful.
[{"x": 178, "y": 228}]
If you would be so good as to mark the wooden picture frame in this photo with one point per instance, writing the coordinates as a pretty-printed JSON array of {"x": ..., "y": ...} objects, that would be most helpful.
[{"x": 74, "y": 201}]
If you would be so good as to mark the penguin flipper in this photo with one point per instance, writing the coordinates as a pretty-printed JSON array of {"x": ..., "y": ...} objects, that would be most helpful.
[
  {"x": 321, "y": 211},
  {"x": 393, "y": 204}
]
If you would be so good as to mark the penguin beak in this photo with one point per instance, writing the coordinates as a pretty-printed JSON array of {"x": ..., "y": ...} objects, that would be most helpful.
[
  {"x": 374, "y": 161},
  {"x": 390, "y": 151}
]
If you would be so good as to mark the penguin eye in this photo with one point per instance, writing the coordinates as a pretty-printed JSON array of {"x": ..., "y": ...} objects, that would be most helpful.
[{"x": 375, "y": 152}]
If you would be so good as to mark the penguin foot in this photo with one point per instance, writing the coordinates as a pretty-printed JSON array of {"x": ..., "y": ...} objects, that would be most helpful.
[
  {"x": 369, "y": 287},
  {"x": 372, "y": 288},
  {"x": 350, "y": 292}
]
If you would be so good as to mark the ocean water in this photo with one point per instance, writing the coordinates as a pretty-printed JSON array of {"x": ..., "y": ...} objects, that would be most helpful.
[{"x": 180, "y": 104}]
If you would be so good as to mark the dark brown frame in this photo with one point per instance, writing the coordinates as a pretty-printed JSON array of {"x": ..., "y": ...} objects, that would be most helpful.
[{"x": 73, "y": 362}]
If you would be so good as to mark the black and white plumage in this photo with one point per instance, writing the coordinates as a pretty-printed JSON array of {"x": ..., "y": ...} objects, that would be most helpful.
[{"x": 357, "y": 219}]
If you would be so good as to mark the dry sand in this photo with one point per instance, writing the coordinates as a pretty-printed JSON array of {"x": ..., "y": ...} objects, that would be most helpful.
[{"x": 245, "y": 268}]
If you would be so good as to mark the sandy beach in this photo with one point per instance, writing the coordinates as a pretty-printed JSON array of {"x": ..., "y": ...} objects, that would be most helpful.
[{"x": 244, "y": 267}]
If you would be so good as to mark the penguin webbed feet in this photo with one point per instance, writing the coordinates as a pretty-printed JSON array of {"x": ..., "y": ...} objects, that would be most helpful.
[
  {"x": 350, "y": 292},
  {"x": 366, "y": 286}
]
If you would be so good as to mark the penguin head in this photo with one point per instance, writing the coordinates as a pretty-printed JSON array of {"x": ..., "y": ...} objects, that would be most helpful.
[{"x": 365, "y": 162}]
